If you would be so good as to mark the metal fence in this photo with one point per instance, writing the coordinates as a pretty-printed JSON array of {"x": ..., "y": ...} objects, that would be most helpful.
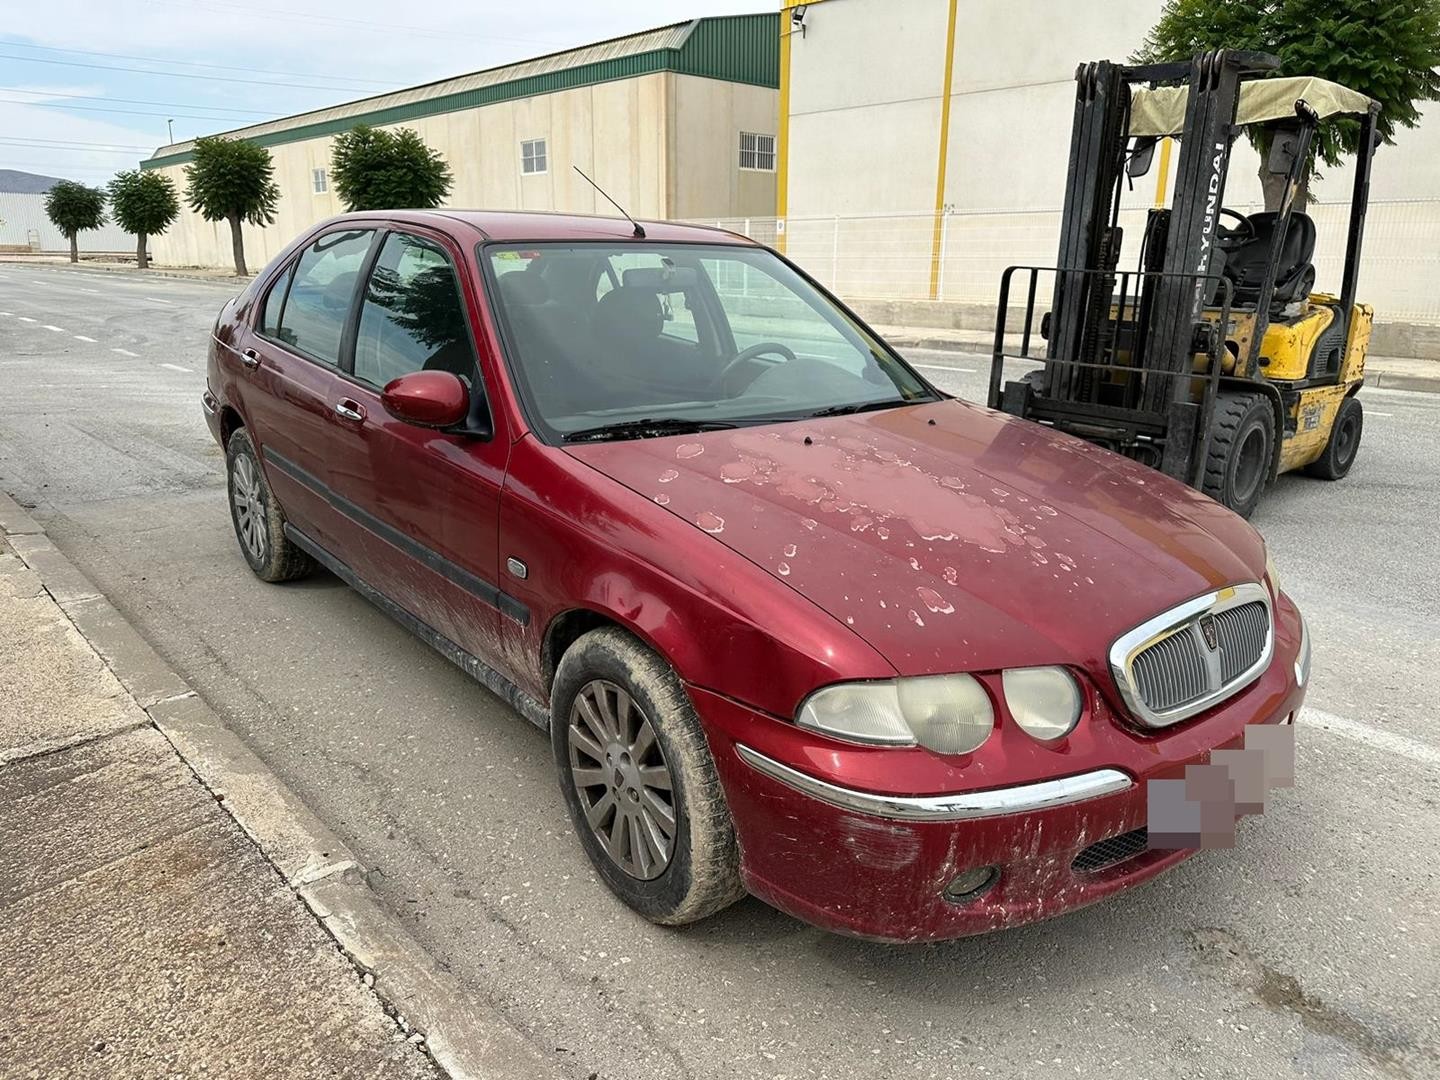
[
  {"x": 23, "y": 225},
  {"x": 894, "y": 256}
]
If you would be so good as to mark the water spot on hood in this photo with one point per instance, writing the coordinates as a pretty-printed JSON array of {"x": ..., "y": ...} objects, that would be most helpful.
[
  {"x": 689, "y": 450},
  {"x": 790, "y": 550},
  {"x": 1048, "y": 511},
  {"x": 915, "y": 617},
  {"x": 809, "y": 523},
  {"x": 663, "y": 499},
  {"x": 934, "y": 601},
  {"x": 709, "y": 521},
  {"x": 784, "y": 569},
  {"x": 668, "y": 475},
  {"x": 736, "y": 472},
  {"x": 952, "y": 575},
  {"x": 914, "y": 563}
]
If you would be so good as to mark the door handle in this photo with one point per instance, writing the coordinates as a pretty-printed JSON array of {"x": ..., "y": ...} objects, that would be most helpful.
[
  {"x": 250, "y": 358},
  {"x": 350, "y": 410}
]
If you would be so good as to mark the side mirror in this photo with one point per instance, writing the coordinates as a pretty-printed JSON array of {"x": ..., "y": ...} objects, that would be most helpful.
[
  {"x": 1141, "y": 156},
  {"x": 436, "y": 399}
]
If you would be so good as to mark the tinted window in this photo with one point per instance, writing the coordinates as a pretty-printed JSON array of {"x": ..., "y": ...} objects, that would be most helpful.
[
  {"x": 274, "y": 301},
  {"x": 324, "y": 284},
  {"x": 413, "y": 318}
]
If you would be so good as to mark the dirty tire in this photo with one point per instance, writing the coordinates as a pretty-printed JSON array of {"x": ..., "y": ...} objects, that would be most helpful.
[
  {"x": 1344, "y": 442},
  {"x": 702, "y": 876},
  {"x": 1242, "y": 440},
  {"x": 265, "y": 546}
]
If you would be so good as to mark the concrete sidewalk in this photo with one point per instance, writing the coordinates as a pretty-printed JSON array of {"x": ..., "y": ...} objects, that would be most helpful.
[
  {"x": 1381, "y": 372},
  {"x": 167, "y": 907}
]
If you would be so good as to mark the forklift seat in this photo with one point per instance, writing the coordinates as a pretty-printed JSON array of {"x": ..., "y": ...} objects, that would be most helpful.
[{"x": 1294, "y": 273}]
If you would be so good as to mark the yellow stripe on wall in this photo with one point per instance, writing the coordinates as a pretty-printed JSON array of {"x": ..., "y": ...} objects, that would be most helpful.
[{"x": 937, "y": 234}]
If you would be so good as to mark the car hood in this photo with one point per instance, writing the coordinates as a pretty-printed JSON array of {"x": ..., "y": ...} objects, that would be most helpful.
[{"x": 948, "y": 536}]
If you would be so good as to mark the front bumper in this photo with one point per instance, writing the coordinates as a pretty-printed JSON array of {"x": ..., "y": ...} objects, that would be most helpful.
[{"x": 821, "y": 839}]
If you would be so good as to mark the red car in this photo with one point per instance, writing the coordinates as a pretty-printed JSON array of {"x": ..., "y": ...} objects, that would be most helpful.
[{"x": 799, "y": 624}]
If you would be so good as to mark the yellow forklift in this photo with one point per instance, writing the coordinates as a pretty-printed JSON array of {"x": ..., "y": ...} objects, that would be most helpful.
[{"x": 1210, "y": 357}]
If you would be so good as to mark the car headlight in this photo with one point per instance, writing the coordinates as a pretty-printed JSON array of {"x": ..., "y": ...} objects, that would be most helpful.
[
  {"x": 1272, "y": 575},
  {"x": 950, "y": 714},
  {"x": 1045, "y": 701}
]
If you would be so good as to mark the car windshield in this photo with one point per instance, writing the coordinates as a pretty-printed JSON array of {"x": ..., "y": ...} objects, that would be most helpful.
[{"x": 631, "y": 339}]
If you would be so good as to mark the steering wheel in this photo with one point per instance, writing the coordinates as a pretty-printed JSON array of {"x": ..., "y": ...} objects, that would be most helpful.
[
  {"x": 1233, "y": 238},
  {"x": 744, "y": 356}
]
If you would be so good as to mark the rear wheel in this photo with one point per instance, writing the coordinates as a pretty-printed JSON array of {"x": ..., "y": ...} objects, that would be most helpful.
[
  {"x": 259, "y": 521},
  {"x": 1344, "y": 442},
  {"x": 1242, "y": 443},
  {"x": 639, "y": 781}
]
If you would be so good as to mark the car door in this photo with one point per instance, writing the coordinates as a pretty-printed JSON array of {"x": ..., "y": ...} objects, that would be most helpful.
[
  {"x": 426, "y": 502},
  {"x": 291, "y": 379}
]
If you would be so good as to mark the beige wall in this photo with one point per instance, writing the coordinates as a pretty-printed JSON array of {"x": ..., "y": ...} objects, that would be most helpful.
[{"x": 663, "y": 145}]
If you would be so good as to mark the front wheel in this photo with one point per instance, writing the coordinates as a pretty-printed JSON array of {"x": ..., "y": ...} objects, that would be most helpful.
[
  {"x": 639, "y": 781},
  {"x": 1344, "y": 442},
  {"x": 1242, "y": 442}
]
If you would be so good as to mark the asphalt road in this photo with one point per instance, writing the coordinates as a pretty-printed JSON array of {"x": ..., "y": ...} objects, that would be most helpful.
[{"x": 1311, "y": 949}]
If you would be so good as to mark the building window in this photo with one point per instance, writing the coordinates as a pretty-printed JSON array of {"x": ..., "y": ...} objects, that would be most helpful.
[
  {"x": 757, "y": 151},
  {"x": 533, "y": 158},
  {"x": 319, "y": 181}
]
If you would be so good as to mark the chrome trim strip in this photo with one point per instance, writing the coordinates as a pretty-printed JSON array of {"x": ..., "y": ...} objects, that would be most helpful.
[
  {"x": 965, "y": 806},
  {"x": 1302, "y": 658},
  {"x": 1179, "y": 618}
]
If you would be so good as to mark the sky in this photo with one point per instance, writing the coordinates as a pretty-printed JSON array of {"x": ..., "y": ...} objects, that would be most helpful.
[{"x": 86, "y": 86}]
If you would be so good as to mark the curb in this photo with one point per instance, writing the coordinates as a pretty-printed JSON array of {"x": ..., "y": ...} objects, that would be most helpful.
[
  {"x": 231, "y": 281},
  {"x": 465, "y": 1038},
  {"x": 1376, "y": 378}
]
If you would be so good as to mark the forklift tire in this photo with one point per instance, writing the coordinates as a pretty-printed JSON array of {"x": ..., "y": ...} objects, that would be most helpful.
[
  {"x": 1344, "y": 442},
  {"x": 1242, "y": 438}
]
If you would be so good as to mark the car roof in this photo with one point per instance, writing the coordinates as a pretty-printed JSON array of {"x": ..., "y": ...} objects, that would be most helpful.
[{"x": 519, "y": 226}]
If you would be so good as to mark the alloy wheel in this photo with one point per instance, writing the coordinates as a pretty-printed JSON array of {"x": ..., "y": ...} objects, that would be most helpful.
[
  {"x": 249, "y": 506},
  {"x": 627, "y": 793}
]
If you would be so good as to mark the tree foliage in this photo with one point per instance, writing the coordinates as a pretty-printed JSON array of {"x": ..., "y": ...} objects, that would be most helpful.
[
  {"x": 378, "y": 169},
  {"x": 144, "y": 203},
  {"x": 75, "y": 208},
  {"x": 232, "y": 180},
  {"x": 1386, "y": 49}
]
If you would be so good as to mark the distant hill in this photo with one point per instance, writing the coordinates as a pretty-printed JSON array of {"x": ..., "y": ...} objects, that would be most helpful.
[{"x": 25, "y": 183}]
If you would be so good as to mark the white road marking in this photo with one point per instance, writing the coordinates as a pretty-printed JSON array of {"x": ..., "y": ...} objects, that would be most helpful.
[
  {"x": 158, "y": 300},
  {"x": 7, "y": 314},
  {"x": 26, "y": 318},
  {"x": 1372, "y": 412},
  {"x": 83, "y": 289},
  {"x": 177, "y": 367},
  {"x": 1379, "y": 738},
  {"x": 82, "y": 337},
  {"x": 944, "y": 367},
  {"x": 57, "y": 329},
  {"x": 125, "y": 352}
]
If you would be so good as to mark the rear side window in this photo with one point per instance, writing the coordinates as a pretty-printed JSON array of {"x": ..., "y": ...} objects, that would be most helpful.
[
  {"x": 274, "y": 302},
  {"x": 323, "y": 285},
  {"x": 413, "y": 318}
]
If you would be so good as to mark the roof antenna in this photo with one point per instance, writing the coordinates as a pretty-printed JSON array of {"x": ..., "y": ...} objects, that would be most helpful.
[{"x": 638, "y": 230}]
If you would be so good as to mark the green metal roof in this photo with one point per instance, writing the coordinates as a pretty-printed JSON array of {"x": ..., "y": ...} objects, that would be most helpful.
[{"x": 733, "y": 48}]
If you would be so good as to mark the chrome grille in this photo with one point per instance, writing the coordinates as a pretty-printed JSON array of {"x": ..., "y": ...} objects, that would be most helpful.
[
  {"x": 1242, "y": 632},
  {"x": 1195, "y": 655}
]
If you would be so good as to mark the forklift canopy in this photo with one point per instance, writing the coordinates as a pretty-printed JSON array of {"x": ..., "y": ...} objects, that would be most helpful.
[{"x": 1161, "y": 111}]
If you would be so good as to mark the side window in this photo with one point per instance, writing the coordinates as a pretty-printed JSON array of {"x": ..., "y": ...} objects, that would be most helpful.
[
  {"x": 274, "y": 303},
  {"x": 313, "y": 320},
  {"x": 413, "y": 318}
]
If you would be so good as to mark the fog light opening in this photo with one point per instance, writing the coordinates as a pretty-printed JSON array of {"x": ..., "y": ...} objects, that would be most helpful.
[{"x": 971, "y": 884}]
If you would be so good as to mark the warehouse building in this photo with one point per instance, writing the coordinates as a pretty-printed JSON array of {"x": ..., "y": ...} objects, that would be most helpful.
[
  {"x": 925, "y": 146},
  {"x": 677, "y": 122}
]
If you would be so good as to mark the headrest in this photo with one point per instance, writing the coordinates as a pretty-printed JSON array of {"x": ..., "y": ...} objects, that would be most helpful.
[
  {"x": 524, "y": 287},
  {"x": 630, "y": 313}
]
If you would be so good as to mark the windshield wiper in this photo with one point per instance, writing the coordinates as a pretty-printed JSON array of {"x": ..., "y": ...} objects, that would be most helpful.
[
  {"x": 644, "y": 429},
  {"x": 863, "y": 406}
]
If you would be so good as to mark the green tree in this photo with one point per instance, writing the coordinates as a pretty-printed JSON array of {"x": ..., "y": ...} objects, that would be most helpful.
[
  {"x": 375, "y": 169},
  {"x": 144, "y": 203},
  {"x": 232, "y": 180},
  {"x": 1382, "y": 48},
  {"x": 75, "y": 208}
]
